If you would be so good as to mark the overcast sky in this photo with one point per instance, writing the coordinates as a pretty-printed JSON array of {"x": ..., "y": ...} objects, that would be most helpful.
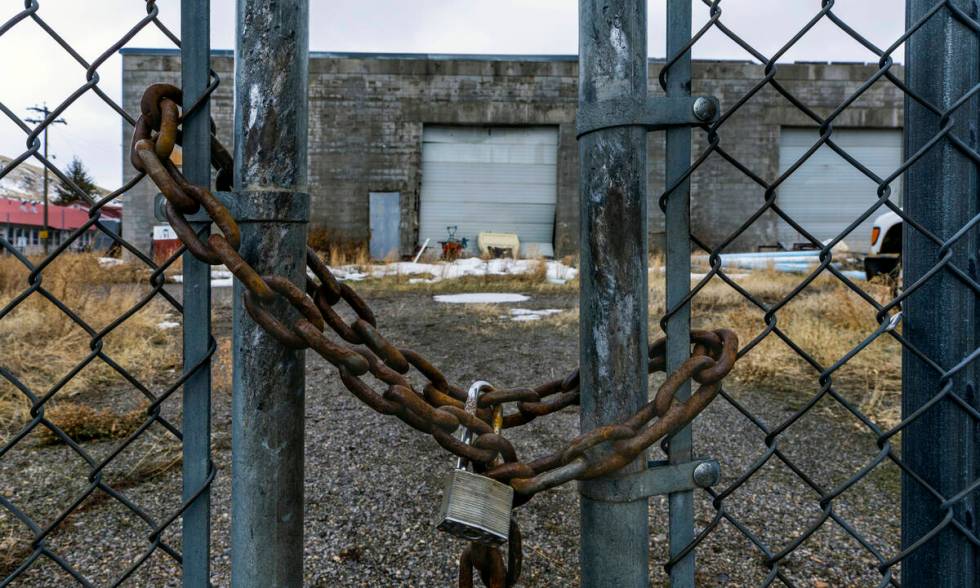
[{"x": 35, "y": 70}]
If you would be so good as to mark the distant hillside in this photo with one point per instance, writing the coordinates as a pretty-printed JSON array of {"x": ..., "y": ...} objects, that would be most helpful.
[{"x": 26, "y": 181}]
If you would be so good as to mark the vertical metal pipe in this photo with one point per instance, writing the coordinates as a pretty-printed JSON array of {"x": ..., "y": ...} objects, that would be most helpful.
[
  {"x": 613, "y": 244},
  {"x": 940, "y": 319},
  {"x": 268, "y": 388},
  {"x": 196, "y": 150},
  {"x": 47, "y": 229},
  {"x": 678, "y": 275}
]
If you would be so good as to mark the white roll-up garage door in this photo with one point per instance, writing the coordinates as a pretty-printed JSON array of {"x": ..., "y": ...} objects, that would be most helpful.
[
  {"x": 490, "y": 179},
  {"x": 827, "y": 193}
]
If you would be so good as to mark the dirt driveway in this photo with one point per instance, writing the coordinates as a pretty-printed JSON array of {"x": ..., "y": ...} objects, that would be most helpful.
[{"x": 374, "y": 484}]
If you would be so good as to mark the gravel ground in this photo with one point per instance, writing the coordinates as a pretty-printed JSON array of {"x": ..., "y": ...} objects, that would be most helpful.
[{"x": 374, "y": 484}]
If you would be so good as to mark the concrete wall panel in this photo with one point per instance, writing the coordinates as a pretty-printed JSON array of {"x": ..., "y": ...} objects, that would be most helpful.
[{"x": 367, "y": 113}]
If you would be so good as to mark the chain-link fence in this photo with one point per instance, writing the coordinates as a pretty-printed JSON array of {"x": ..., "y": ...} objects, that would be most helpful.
[
  {"x": 109, "y": 460},
  {"x": 931, "y": 317},
  {"x": 84, "y": 310}
]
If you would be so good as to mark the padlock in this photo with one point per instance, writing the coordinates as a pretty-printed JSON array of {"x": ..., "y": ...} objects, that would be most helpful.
[{"x": 475, "y": 507}]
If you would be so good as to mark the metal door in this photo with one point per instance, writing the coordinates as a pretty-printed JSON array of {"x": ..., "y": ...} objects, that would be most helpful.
[
  {"x": 385, "y": 212},
  {"x": 490, "y": 179},
  {"x": 826, "y": 193}
]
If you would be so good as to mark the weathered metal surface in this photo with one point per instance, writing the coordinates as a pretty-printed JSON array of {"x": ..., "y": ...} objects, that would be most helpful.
[
  {"x": 678, "y": 275},
  {"x": 268, "y": 387},
  {"x": 385, "y": 219},
  {"x": 657, "y": 479},
  {"x": 262, "y": 205},
  {"x": 613, "y": 298},
  {"x": 941, "y": 444},
  {"x": 653, "y": 114},
  {"x": 198, "y": 344}
]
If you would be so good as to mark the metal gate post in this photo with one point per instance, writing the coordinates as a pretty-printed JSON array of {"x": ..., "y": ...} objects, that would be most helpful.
[
  {"x": 678, "y": 276},
  {"x": 942, "y": 445},
  {"x": 271, "y": 74},
  {"x": 613, "y": 245},
  {"x": 195, "y": 63}
]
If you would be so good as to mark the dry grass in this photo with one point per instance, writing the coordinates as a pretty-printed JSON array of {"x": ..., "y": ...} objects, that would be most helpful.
[
  {"x": 160, "y": 453},
  {"x": 221, "y": 365},
  {"x": 826, "y": 320},
  {"x": 337, "y": 249},
  {"x": 42, "y": 345},
  {"x": 14, "y": 548},
  {"x": 342, "y": 255},
  {"x": 84, "y": 423}
]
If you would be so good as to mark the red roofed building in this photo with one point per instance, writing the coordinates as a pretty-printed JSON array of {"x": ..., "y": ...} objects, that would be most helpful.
[{"x": 22, "y": 220}]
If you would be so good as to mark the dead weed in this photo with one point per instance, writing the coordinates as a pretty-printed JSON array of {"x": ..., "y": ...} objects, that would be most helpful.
[
  {"x": 84, "y": 423},
  {"x": 826, "y": 321},
  {"x": 42, "y": 344}
]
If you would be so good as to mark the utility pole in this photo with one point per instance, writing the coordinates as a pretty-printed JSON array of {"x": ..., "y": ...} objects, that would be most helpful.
[{"x": 45, "y": 113}]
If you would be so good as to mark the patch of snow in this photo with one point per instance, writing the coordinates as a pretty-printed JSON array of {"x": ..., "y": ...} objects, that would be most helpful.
[
  {"x": 527, "y": 314},
  {"x": 215, "y": 282},
  {"x": 480, "y": 298},
  {"x": 350, "y": 276},
  {"x": 25, "y": 180},
  {"x": 220, "y": 277},
  {"x": 555, "y": 271},
  {"x": 110, "y": 261},
  {"x": 530, "y": 312},
  {"x": 167, "y": 325},
  {"x": 525, "y": 317}
]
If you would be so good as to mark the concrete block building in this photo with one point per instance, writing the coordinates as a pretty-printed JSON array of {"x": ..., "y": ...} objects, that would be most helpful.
[{"x": 403, "y": 146}]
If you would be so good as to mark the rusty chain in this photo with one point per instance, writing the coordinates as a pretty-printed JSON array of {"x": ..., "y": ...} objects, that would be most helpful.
[{"x": 438, "y": 409}]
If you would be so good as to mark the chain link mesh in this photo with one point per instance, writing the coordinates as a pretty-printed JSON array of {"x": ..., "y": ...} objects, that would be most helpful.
[
  {"x": 878, "y": 547},
  {"x": 43, "y": 514},
  {"x": 44, "y": 525}
]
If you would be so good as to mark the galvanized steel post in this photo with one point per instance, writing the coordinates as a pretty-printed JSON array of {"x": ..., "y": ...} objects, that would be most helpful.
[
  {"x": 196, "y": 426},
  {"x": 678, "y": 276},
  {"x": 613, "y": 244},
  {"x": 942, "y": 445},
  {"x": 271, "y": 73}
]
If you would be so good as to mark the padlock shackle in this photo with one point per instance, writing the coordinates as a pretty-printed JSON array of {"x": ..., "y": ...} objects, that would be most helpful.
[{"x": 472, "y": 401}]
